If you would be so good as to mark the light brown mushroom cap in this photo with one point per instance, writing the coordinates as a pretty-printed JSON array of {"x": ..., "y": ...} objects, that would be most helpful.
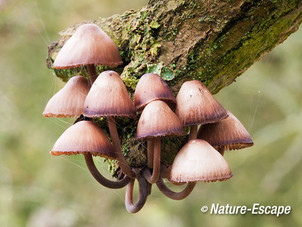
[
  {"x": 228, "y": 134},
  {"x": 196, "y": 105},
  {"x": 158, "y": 119},
  {"x": 84, "y": 137},
  {"x": 88, "y": 45},
  {"x": 199, "y": 161},
  {"x": 108, "y": 96},
  {"x": 152, "y": 87},
  {"x": 69, "y": 101}
]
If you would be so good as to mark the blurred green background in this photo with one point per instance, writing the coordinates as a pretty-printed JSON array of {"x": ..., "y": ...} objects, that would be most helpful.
[{"x": 37, "y": 189}]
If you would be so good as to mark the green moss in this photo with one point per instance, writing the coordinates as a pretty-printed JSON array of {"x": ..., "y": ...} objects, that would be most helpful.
[
  {"x": 167, "y": 73},
  {"x": 131, "y": 82},
  {"x": 150, "y": 40},
  {"x": 238, "y": 47},
  {"x": 155, "y": 49},
  {"x": 154, "y": 24},
  {"x": 66, "y": 74}
]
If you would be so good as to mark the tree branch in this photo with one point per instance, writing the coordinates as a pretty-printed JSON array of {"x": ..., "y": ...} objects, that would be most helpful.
[{"x": 212, "y": 41}]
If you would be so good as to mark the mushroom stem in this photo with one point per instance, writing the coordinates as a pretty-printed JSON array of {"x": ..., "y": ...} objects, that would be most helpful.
[
  {"x": 117, "y": 147},
  {"x": 92, "y": 73},
  {"x": 144, "y": 191},
  {"x": 150, "y": 153},
  {"x": 100, "y": 178},
  {"x": 221, "y": 150},
  {"x": 165, "y": 171},
  {"x": 175, "y": 195},
  {"x": 193, "y": 132},
  {"x": 156, "y": 163}
]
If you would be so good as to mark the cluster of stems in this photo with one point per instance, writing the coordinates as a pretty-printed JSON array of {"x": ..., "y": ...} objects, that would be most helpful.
[{"x": 152, "y": 173}]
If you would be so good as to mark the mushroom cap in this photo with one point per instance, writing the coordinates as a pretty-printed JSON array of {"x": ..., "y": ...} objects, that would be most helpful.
[
  {"x": 158, "y": 119},
  {"x": 199, "y": 161},
  {"x": 88, "y": 45},
  {"x": 69, "y": 101},
  {"x": 84, "y": 137},
  {"x": 196, "y": 105},
  {"x": 108, "y": 96},
  {"x": 152, "y": 87},
  {"x": 228, "y": 134}
]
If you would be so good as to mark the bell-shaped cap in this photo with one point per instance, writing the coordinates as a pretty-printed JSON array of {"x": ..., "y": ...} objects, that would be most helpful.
[
  {"x": 199, "y": 161},
  {"x": 108, "y": 96},
  {"x": 84, "y": 137},
  {"x": 196, "y": 105},
  {"x": 88, "y": 45},
  {"x": 152, "y": 87},
  {"x": 158, "y": 119},
  {"x": 228, "y": 134},
  {"x": 69, "y": 101}
]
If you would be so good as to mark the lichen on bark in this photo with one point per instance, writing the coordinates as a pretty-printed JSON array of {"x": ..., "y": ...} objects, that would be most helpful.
[{"x": 211, "y": 41}]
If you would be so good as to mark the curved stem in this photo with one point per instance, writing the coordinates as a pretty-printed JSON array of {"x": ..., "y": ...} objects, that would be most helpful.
[
  {"x": 193, "y": 132},
  {"x": 165, "y": 171},
  {"x": 144, "y": 191},
  {"x": 92, "y": 73},
  {"x": 100, "y": 178},
  {"x": 156, "y": 163},
  {"x": 117, "y": 147},
  {"x": 175, "y": 195},
  {"x": 150, "y": 153}
]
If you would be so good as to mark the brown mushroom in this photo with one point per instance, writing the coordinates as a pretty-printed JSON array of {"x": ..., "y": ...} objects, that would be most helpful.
[
  {"x": 227, "y": 134},
  {"x": 157, "y": 120},
  {"x": 152, "y": 87},
  {"x": 89, "y": 46},
  {"x": 69, "y": 101},
  {"x": 108, "y": 97},
  {"x": 196, "y": 105},
  {"x": 199, "y": 161},
  {"x": 196, "y": 161},
  {"x": 88, "y": 139}
]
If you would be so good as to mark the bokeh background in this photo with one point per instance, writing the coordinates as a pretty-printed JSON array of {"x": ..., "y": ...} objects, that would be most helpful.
[{"x": 38, "y": 190}]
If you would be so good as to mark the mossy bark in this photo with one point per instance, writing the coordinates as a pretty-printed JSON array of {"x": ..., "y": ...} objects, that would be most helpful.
[{"x": 212, "y": 41}]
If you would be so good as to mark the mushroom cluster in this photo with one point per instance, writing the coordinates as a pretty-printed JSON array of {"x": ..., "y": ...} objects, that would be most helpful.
[{"x": 194, "y": 113}]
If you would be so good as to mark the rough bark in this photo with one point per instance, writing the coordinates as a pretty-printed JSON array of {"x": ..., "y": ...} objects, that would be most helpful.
[{"x": 212, "y": 41}]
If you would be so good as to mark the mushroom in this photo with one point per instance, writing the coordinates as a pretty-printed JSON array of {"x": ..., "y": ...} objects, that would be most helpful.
[
  {"x": 108, "y": 97},
  {"x": 227, "y": 134},
  {"x": 157, "y": 120},
  {"x": 86, "y": 138},
  {"x": 196, "y": 161},
  {"x": 196, "y": 105},
  {"x": 199, "y": 161},
  {"x": 69, "y": 101},
  {"x": 89, "y": 46},
  {"x": 152, "y": 87}
]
